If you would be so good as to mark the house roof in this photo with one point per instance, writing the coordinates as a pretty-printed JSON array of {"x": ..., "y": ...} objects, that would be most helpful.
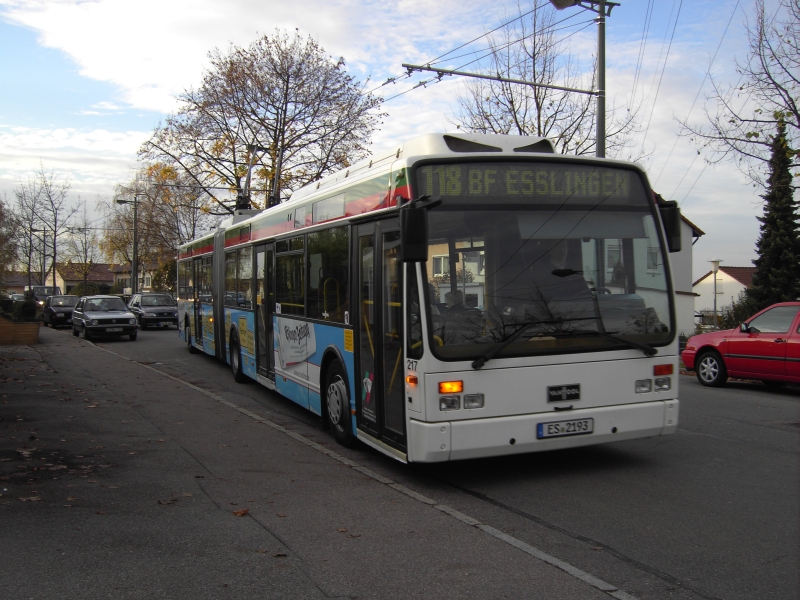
[
  {"x": 696, "y": 231},
  {"x": 74, "y": 272},
  {"x": 15, "y": 279},
  {"x": 743, "y": 275}
]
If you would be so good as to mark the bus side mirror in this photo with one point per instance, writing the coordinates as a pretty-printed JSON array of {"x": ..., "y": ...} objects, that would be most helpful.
[
  {"x": 414, "y": 229},
  {"x": 671, "y": 217}
]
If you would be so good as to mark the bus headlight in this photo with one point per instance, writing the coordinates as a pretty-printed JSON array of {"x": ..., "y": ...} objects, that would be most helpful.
[
  {"x": 473, "y": 401},
  {"x": 449, "y": 402},
  {"x": 644, "y": 385},
  {"x": 663, "y": 384}
]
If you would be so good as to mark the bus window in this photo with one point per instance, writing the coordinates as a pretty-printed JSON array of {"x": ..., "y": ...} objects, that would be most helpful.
[
  {"x": 244, "y": 295},
  {"x": 289, "y": 284},
  {"x": 328, "y": 267},
  {"x": 230, "y": 278}
]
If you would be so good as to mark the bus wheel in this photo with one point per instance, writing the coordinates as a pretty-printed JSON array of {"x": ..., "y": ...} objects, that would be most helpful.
[
  {"x": 236, "y": 360},
  {"x": 337, "y": 405},
  {"x": 711, "y": 369},
  {"x": 188, "y": 332}
]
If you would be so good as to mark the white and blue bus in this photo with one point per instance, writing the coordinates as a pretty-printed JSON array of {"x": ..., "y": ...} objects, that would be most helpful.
[{"x": 460, "y": 296}]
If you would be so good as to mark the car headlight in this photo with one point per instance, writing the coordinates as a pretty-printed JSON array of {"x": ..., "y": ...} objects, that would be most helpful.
[
  {"x": 132, "y": 321},
  {"x": 94, "y": 321}
]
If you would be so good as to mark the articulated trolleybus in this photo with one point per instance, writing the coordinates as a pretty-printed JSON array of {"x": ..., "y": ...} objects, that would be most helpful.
[{"x": 460, "y": 296}]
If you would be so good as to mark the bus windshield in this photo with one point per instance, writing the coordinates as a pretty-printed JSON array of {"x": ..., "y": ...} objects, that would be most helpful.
[{"x": 542, "y": 258}]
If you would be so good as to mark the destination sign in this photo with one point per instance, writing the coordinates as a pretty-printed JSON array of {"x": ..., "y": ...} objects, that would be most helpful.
[{"x": 556, "y": 182}]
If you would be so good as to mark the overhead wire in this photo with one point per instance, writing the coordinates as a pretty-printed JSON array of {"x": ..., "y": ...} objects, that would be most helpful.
[
  {"x": 699, "y": 91},
  {"x": 661, "y": 78},
  {"x": 642, "y": 45}
]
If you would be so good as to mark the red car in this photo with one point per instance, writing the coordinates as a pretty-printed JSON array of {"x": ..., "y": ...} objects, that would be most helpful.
[{"x": 765, "y": 347}]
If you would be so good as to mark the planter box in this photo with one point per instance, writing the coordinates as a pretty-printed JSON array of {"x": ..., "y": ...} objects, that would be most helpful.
[{"x": 18, "y": 334}]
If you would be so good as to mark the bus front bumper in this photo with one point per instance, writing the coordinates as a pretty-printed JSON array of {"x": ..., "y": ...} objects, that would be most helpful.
[{"x": 476, "y": 438}]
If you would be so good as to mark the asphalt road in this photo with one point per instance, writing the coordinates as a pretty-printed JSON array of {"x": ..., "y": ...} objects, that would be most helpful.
[{"x": 710, "y": 512}]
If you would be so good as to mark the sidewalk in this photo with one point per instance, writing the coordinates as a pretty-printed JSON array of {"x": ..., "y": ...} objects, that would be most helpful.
[{"x": 119, "y": 482}]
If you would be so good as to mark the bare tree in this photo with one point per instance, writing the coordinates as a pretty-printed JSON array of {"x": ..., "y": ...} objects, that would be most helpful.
[
  {"x": 529, "y": 50},
  {"x": 282, "y": 94},
  {"x": 8, "y": 239},
  {"x": 55, "y": 211},
  {"x": 83, "y": 250},
  {"x": 30, "y": 234},
  {"x": 743, "y": 117}
]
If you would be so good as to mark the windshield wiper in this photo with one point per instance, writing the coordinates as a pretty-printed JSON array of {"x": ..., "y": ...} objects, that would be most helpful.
[
  {"x": 479, "y": 362},
  {"x": 646, "y": 348}
]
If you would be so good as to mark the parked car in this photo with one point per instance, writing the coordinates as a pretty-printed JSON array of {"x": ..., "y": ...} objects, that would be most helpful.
[
  {"x": 153, "y": 308},
  {"x": 765, "y": 347},
  {"x": 18, "y": 297},
  {"x": 57, "y": 310},
  {"x": 101, "y": 316},
  {"x": 41, "y": 292}
]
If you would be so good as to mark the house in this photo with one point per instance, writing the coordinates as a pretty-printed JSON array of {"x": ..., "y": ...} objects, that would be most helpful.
[
  {"x": 731, "y": 281},
  {"x": 69, "y": 275},
  {"x": 15, "y": 282},
  {"x": 685, "y": 294},
  {"x": 122, "y": 276}
]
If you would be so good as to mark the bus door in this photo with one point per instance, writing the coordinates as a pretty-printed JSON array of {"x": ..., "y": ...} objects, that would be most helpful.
[
  {"x": 380, "y": 410},
  {"x": 265, "y": 307},
  {"x": 197, "y": 316}
]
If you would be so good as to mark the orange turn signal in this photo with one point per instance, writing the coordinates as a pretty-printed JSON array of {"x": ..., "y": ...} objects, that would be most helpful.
[
  {"x": 660, "y": 370},
  {"x": 412, "y": 379},
  {"x": 451, "y": 387}
]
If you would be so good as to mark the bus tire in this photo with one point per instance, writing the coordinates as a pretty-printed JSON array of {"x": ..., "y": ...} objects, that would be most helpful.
[
  {"x": 236, "y": 360},
  {"x": 188, "y": 332},
  {"x": 710, "y": 369},
  {"x": 337, "y": 405}
]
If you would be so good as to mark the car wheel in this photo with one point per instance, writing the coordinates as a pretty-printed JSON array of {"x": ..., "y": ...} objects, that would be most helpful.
[
  {"x": 236, "y": 360},
  {"x": 75, "y": 331},
  {"x": 133, "y": 336},
  {"x": 337, "y": 405},
  {"x": 86, "y": 335},
  {"x": 710, "y": 369}
]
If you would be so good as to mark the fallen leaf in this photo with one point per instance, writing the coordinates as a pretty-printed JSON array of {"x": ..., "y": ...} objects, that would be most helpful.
[
  {"x": 165, "y": 502},
  {"x": 187, "y": 494},
  {"x": 72, "y": 498},
  {"x": 280, "y": 554},
  {"x": 354, "y": 535},
  {"x": 342, "y": 530},
  {"x": 241, "y": 512},
  {"x": 31, "y": 499},
  {"x": 99, "y": 512},
  {"x": 282, "y": 515}
]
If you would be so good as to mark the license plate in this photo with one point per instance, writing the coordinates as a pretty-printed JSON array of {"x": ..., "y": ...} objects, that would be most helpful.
[
  {"x": 113, "y": 328},
  {"x": 563, "y": 428},
  {"x": 164, "y": 323}
]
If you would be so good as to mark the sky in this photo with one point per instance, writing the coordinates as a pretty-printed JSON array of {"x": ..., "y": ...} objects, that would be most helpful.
[{"x": 85, "y": 82}]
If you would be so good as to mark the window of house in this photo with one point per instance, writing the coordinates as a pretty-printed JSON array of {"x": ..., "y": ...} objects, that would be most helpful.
[
  {"x": 441, "y": 265},
  {"x": 652, "y": 259}
]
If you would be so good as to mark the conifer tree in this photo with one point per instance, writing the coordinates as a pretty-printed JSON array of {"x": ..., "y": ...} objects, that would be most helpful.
[{"x": 778, "y": 246}]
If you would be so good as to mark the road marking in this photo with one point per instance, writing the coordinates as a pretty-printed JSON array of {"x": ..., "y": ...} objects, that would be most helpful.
[{"x": 579, "y": 574}]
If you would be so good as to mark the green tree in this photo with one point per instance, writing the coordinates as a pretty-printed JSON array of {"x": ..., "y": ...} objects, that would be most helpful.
[
  {"x": 778, "y": 246},
  {"x": 165, "y": 279}
]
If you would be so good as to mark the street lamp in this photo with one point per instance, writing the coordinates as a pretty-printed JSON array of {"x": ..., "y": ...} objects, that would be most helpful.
[
  {"x": 599, "y": 7},
  {"x": 714, "y": 269},
  {"x": 134, "y": 263}
]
